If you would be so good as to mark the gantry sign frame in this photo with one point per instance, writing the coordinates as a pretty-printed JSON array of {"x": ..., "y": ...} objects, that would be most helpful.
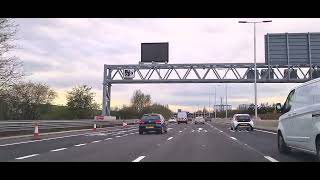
[{"x": 114, "y": 74}]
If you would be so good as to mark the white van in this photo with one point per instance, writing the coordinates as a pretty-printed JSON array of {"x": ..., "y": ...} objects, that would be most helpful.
[{"x": 299, "y": 124}]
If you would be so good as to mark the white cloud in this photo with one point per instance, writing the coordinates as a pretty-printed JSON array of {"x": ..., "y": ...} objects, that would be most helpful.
[{"x": 69, "y": 52}]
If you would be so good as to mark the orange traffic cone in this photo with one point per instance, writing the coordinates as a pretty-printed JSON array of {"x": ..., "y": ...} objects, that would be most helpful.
[
  {"x": 36, "y": 132},
  {"x": 94, "y": 128}
]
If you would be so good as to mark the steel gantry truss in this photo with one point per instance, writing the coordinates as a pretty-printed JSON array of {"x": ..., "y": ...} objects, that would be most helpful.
[{"x": 203, "y": 73}]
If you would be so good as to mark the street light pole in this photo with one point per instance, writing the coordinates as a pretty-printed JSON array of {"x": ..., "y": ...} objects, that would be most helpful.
[
  {"x": 255, "y": 64},
  {"x": 255, "y": 74},
  {"x": 215, "y": 104},
  {"x": 226, "y": 101}
]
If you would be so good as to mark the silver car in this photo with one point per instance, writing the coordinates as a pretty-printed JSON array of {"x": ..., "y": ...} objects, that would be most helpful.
[{"x": 199, "y": 120}]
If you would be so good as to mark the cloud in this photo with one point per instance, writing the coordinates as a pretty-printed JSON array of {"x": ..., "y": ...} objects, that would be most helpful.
[{"x": 67, "y": 52}]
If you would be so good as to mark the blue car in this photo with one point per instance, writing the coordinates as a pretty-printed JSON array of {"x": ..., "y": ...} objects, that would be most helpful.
[{"x": 152, "y": 123}]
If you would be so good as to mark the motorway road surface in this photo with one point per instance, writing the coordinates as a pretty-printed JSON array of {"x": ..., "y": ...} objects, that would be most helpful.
[{"x": 211, "y": 142}]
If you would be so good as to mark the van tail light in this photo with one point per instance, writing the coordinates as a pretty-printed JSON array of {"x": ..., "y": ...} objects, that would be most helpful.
[{"x": 158, "y": 122}]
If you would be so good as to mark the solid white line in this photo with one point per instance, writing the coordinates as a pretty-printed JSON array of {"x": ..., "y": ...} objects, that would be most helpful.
[
  {"x": 96, "y": 141},
  {"x": 231, "y": 130},
  {"x": 2, "y": 145},
  {"x": 118, "y": 136},
  {"x": 138, "y": 159},
  {"x": 108, "y": 139},
  {"x": 233, "y": 138},
  {"x": 61, "y": 149},
  {"x": 270, "y": 159},
  {"x": 131, "y": 133},
  {"x": 169, "y": 129},
  {"x": 24, "y": 157},
  {"x": 169, "y": 138},
  {"x": 265, "y": 131},
  {"x": 80, "y": 145}
]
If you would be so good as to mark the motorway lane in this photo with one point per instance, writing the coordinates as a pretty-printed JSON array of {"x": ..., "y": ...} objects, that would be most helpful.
[
  {"x": 11, "y": 151},
  {"x": 211, "y": 142},
  {"x": 201, "y": 143},
  {"x": 118, "y": 149},
  {"x": 266, "y": 143}
]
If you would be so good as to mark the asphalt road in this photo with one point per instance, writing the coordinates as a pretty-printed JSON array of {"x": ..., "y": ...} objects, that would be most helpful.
[{"x": 211, "y": 142}]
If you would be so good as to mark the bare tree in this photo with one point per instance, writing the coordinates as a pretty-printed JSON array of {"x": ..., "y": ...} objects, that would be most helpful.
[
  {"x": 10, "y": 66},
  {"x": 26, "y": 100}
]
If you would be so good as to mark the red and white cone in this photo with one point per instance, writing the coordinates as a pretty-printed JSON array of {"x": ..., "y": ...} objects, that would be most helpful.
[
  {"x": 94, "y": 128},
  {"x": 36, "y": 132}
]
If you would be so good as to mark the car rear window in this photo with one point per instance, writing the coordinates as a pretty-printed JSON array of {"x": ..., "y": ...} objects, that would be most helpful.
[
  {"x": 150, "y": 117},
  {"x": 243, "y": 117}
]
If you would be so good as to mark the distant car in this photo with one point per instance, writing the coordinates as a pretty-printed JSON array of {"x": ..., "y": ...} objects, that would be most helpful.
[
  {"x": 207, "y": 119},
  {"x": 172, "y": 120},
  {"x": 199, "y": 120},
  {"x": 182, "y": 117},
  {"x": 241, "y": 121},
  {"x": 152, "y": 123}
]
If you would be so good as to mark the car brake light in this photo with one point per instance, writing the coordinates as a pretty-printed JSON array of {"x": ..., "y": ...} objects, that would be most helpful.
[
  {"x": 141, "y": 122},
  {"x": 158, "y": 122}
]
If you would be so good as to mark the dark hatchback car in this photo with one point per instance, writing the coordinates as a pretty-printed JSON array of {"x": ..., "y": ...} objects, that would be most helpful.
[{"x": 152, "y": 123}]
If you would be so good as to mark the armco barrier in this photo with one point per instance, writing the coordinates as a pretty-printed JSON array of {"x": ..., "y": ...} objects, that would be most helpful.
[{"x": 12, "y": 126}]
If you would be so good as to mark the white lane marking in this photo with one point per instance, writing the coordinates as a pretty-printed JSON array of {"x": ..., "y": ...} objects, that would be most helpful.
[
  {"x": 138, "y": 159},
  {"x": 180, "y": 131},
  {"x": 2, "y": 145},
  {"x": 192, "y": 130},
  {"x": 118, "y": 136},
  {"x": 80, "y": 145},
  {"x": 265, "y": 131},
  {"x": 61, "y": 149},
  {"x": 270, "y": 159},
  {"x": 107, "y": 139},
  {"x": 25, "y": 142},
  {"x": 24, "y": 157},
  {"x": 131, "y": 133},
  {"x": 233, "y": 138},
  {"x": 136, "y": 132},
  {"x": 126, "y": 135},
  {"x": 205, "y": 131},
  {"x": 231, "y": 130},
  {"x": 169, "y": 138},
  {"x": 169, "y": 129},
  {"x": 221, "y": 131},
  {"x": 96, "y": 141},
  {"x": 199, "y": 129}
]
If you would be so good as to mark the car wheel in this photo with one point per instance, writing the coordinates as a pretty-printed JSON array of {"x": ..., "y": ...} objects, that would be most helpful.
[
  {"x": 318, "y": 150},
  {"x": 282, "y": 146},
  {"x": 236, "y": 128},
  {"x": 161, "y": 131}
]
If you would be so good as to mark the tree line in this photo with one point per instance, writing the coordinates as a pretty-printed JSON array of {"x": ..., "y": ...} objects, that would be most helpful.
[{"x": 141, "y": 104}]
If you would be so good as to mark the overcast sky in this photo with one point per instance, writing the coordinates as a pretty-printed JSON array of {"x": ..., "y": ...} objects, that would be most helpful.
[{"x": 67, "y": 52}]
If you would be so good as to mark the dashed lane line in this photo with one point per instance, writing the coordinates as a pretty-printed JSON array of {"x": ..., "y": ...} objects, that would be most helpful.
[{"x": 139, "y": 159}]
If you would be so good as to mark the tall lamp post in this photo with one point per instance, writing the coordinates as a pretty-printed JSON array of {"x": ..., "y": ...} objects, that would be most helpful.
[{"x": 255, "y": 64}]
